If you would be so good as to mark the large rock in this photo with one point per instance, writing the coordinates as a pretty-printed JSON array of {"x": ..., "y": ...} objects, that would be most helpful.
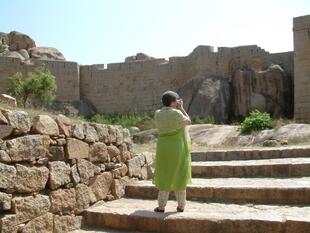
[
  {"x": 76, "y": 149},
  {"x": 19, "y": 120},
  {"x": 8, "y": 224},
  {"x": 118, "y": 186},
  {"x": 64, "y": 124},
  {"x": 3, "y": 120},
  {"x": 24, "y": 53},
  {"x": 139, "y": 57},
  {"x": 19, "y": 41},
  {"x": 207, "y": 96},
  {"x": 86, "y": 170},
  {"x": 145, "y": 136},
  {"x": 5, "y": 201},
  {"x": 28, "y": 148},
  {"x": 102, "y": 132},
  {"x": 30, "y": 179},
  {"x": 27, "y": 208},
  {"x": 5, "y": 131},
  {"x": 78, "y": 131},
  {"x": 7, "y": 177},
  {"x": 213, "y": 135},
  {"x": 43, "y": 223},
  {"x": 90, "y": 133},
  {"x": 63, "y": 201},
  {"x": 100, "y": 186},
  {"x": 294, "y": 133},
  {"x": 114, "y": 153},
  {"x": 57, "y": 152},
  {"x": 267, "y": 90},
  {"x": 44, "y": 124},
  {"x": 98, "y": 152},
  {"x": 13, "y": 54},
  {"x": 66, "y": 223},
  {"x": 46, "y": 53},
  {"x": 134, "y": 166},
  {"x": 60, "y": 174},
  {"x": 9, "y": 100},
  {"x": 82, "y": 197}
]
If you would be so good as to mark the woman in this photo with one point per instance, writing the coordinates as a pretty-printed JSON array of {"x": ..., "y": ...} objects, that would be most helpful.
[{"x": 173, "y": 160}]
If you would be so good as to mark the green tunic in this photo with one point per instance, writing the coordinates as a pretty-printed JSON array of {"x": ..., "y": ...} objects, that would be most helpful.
[{"x": 173, "y": 160}]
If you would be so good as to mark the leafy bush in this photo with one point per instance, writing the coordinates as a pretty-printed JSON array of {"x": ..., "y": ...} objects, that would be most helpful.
[
  {"x": 144, "y": 121},
  {"x": 2, "y": 48},
  {"x": 207, "y": 120},
  {"x": 39, "y": 85},
  {"x": 255, "y": 122}
]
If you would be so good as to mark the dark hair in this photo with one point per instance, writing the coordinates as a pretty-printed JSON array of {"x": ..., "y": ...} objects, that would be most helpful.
[{"x": 168, "y": 97}]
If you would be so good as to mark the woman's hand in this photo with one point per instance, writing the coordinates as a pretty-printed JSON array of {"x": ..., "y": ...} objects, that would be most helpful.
[{"x": 180, "y": 104}]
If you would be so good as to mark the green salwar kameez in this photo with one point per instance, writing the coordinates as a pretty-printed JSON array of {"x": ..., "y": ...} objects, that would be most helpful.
[{"x": 173, "y": 160}]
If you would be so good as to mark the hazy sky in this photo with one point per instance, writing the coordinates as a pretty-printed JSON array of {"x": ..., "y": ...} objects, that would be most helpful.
[{"x": 102, "y": 31}]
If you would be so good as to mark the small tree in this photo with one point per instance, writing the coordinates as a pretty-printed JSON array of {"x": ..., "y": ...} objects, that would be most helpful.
[
  {"x": 2, "y": 48},
  {"x": 39, "y": 85}
]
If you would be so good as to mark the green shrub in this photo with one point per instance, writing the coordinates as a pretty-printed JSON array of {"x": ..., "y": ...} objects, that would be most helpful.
[
  {"x": 1, "y": 47},
  {"x": 143, "y": 121},
  {"x": 207, "y": 120},
  {"x": 255, "y": 122},
  {"x": 40, "y": 85}
]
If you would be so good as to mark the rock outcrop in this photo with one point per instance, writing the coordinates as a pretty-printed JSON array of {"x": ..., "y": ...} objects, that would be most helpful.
[
  {"x": 266, "y": 89},
  {"x": 18, "y": 40},
  {"x": 138, "y": 57},
  {"x": 52, "y": 170},
  {"x": 46, "y": 53},
  {"x": 207, "y": 96}
]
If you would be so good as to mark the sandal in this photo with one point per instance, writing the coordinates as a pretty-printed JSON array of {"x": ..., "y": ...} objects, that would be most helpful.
[
  {"x": 180, "y": 209},
  {"x": 157, "y": 209}
]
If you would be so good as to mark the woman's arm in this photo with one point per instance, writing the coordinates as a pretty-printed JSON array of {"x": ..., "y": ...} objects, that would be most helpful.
[{"x": 181, "y": 108}]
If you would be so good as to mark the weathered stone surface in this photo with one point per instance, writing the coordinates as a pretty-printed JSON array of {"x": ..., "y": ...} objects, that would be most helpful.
[
  {"x": 125, "y": 154},
  {"x": 112, "y": 133},
  {"x": 75, "y": 175},
  {"x": 63, "y": 201},
  {"x": 44, "y": 124},
  {"x": 5, "y": 201},
  {"x": 18, "y": 40},
  {"x": 76, "y": 149},
  {"x": 60, "y": 174},
  {"x": 27, "y": 208},
  {"x": 100, "y": 186},
  {"x": 19, "y": 120},
  {"x": 30, "y": 179},
  {"x": 120, "y": 172},
  {"x": 67, "y": 223},
  {"x": 46, "y": 53},
  {"x": 86, "y": 170},
  {"x": 13, "y": 54},
  {"x": 7, "y": 177},
  {"x": 133, "y": 130},
  {"x": 271, "y": 143},
  {"x": 64, "y": 124},
  {"x": 266, "y": 90},
  {"x": 24, "y": 53},
  {"x": 5, "y": 131},
  {"x": 114, "y": 153},
  {"x": 102, "y": 132},
  {"x": 118, "y": 186},
  {"x": 43, "y": 223},
  {"x": 134, "y": 167},
  {"x": 8, "y": 224},
  {"x": 78, "y": 131},
  {"x": 145, "y": 136},
  {"x": 3, "y": 120},
  {"x": 207, "y": 96},
  {"x": 4, "y": 157},
  {"x": 90, "y": 133},
  {"x": 28, "y": 147},
  {"x": 82, "y": 197},
  {"x": 57, "y": 152},
  {"x": 9, "y": 100},
  {"x": 98, "y": 152},
  {"x": 139, "y": 57}
]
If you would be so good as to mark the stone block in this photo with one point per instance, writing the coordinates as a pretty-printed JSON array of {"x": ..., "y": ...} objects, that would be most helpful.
[{"x": 76, "y": 149}]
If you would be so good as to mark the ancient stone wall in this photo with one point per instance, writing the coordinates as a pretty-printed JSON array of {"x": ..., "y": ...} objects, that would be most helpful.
[
  {"x": 137, "y": 85},
  {"x": 66, "y": 73},
  {"x": 53, "y": 169},
  {"x": 302, "y": 68}
]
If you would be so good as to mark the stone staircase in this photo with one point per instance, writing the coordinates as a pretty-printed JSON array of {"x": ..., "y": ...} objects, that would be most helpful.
[{"x": 234, "y": 191}]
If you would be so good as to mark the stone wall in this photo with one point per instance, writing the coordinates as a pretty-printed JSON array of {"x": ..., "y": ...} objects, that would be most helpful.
[
  {"x": 53, "y": 169},
  {"x": 138, "y": 85},
  {"x": 66, "y": 73},
  {"x": 302, "y": 71}
]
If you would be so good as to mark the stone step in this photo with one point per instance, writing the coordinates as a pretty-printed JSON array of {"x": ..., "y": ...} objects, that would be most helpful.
[
  {"x": 134, "y": 214},
  {"x": 286, "y": 167},
  {"x": 251, "y": 153},
  {"x": 101, "y": 230},
  {"x": 236, "y": 190}
]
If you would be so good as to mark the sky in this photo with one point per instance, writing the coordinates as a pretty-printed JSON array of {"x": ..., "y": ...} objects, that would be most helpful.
[{"x": 107, "y": 31}]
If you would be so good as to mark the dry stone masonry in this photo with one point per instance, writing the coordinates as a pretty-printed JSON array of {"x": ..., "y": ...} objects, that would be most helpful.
[{"x": 51, "y": 170}]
